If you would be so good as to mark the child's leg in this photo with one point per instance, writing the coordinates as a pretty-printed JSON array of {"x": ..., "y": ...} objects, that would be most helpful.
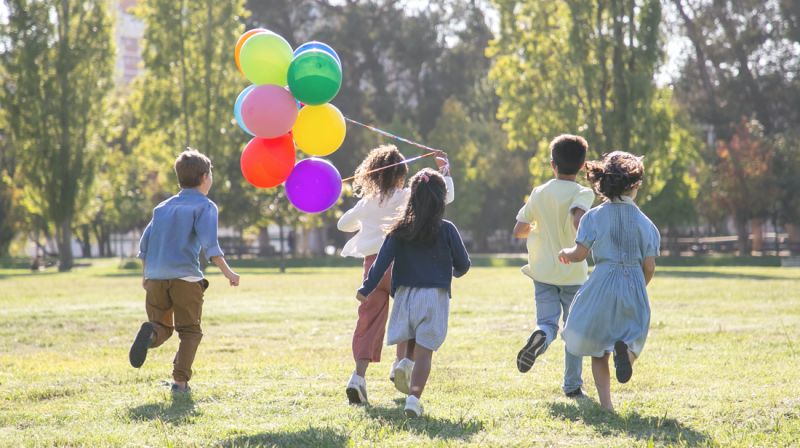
[
  {"x": 401, "y": 351},
  {"x": 548, "y": 310},
  {"x": 159, "y": 310},
  {"x": 188, "y": 300},
  {"x": 573, "y": 365},
  {"x": 602, "y": 379},
  {"x": 371, "y": 324},
  {"x": 422, "y": 369}
]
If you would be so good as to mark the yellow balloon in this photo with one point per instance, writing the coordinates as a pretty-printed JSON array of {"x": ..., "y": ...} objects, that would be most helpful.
[{"x": 319, "y": 130}]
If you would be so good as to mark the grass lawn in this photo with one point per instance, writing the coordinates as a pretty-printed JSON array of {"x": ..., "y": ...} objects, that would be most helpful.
[{"x": 720, "y": 367}]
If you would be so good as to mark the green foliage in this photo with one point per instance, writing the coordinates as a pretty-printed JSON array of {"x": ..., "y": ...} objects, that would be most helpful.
[
  {"x": 58, "y": 58},
  {"x": 586, "y": 67}
]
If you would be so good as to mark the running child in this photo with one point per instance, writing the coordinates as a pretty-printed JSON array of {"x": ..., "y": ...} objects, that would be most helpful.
[
  {"x": 427, "y": 252},
  {"x": 170, "y": 254},
  {"x": 382, "y": 195},
  {"x": 611, "y": 310},
  {"x": 549, "y": 220}
]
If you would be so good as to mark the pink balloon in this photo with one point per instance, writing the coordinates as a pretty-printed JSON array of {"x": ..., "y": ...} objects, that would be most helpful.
[{"x": 269, "y": 111}]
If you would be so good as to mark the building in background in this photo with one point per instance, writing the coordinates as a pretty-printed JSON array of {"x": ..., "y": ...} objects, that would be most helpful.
[{"x": 129, "y": 32}]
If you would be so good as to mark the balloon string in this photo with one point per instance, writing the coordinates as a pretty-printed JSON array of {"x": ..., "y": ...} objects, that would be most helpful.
[
  {"x": 445, "y": 169},
  {"x": 413, "y": 159}
]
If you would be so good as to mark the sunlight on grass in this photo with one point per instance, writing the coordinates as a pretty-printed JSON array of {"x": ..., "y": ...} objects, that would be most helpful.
[{"x": 719, "y": 367}]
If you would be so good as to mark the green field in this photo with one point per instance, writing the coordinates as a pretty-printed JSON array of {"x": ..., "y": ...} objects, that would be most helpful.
[{"x": 720, "y": 367}]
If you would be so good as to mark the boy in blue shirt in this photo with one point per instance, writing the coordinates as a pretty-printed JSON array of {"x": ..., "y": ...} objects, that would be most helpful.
[{"x": 170, "y": 254}]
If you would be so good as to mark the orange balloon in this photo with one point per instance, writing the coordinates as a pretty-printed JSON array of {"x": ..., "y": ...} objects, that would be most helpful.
[
  {"x": 241, "y": 42},
  {"x": 268, "y": 162}
]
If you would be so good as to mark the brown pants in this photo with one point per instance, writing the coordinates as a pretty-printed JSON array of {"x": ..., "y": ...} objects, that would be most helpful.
[
  {"x": 184, "y": 301},
  {"x": 372, "y": 316}
]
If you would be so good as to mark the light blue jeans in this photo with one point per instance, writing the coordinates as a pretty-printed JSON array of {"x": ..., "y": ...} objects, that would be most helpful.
[{"x": 553, "y": 301}]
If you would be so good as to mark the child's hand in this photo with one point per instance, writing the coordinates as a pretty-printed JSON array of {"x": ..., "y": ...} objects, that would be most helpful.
[
  {"x": 144, "y": 283},
  {"x": 361, "y": 297},
  {"x": 232, "y": 277},
  {"x": 441, "y": 158},
  {"x": 562, "y": 256}
]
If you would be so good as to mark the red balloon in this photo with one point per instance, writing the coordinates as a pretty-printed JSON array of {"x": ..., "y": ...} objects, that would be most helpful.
[{"x": 268, "y": 162}]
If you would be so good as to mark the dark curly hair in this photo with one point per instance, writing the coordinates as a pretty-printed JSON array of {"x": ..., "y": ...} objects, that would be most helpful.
[
  {"x": 420, "y": 221},
  {"x": 381, "y": 183},
  {"x": 617, "y": 173}
]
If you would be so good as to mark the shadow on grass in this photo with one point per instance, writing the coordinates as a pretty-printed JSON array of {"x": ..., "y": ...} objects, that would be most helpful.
[
  {"x": 711, "y": 274},
  {"x": 178, "y": 412},
  {"x": 311, "y": 437},
  {"x": 631, "y": 423},
  {"x": 463, "y": 428}
]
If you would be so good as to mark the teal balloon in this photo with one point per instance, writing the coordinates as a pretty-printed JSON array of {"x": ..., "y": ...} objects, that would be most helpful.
[{"x": 314, "y": 77}]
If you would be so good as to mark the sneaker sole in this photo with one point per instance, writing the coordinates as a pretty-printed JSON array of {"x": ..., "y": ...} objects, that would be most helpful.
[
  {"x": 411, "y": 414},
  {"x": 139, "y": 347},
  {"x": 527, "y": 356},
  {"x": 622, "y": 363},
  {"x": 401, "y": 382},
  {"x": 354, "y": 396}
]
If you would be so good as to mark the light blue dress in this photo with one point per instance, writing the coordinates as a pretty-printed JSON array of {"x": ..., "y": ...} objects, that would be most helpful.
[{"x": 612, "y": 305}]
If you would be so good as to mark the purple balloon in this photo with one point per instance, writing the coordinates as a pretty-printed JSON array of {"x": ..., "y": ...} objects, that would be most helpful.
[{"x": 314, "y": 185}]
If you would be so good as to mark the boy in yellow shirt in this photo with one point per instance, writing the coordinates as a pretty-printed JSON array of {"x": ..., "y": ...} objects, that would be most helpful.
[{"x": 549, "y": 220}]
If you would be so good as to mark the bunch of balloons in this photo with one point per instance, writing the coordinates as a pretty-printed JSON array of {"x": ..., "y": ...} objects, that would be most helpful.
[{"x": 288, "y": 105}]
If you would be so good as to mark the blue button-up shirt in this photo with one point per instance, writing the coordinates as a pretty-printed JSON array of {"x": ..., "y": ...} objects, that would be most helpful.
[{"x": 181, "y": 225}]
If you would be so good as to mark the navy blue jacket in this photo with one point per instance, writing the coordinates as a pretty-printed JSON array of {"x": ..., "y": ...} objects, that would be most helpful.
[{"x": 420, "y": 267}]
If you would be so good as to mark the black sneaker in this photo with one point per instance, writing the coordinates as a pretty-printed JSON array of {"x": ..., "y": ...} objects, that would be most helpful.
[
  {"x": 533, "y": 348},
  {"x": 622, "y": 363},
  {"x": 140, "y": 345},
  {"x": 577, "y": 393},
  {"x": 177, "y": 390}
]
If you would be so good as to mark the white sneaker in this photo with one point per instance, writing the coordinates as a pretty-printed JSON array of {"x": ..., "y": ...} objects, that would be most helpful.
[
  {"x": 413, "y": 409},
  {"x": 357, "y": 390},
  {"x": 391, "y": 372},
  {"x": 402, "y": 375}
]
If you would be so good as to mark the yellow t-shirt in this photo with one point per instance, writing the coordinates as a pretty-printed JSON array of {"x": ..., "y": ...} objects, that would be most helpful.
[{"x": 549, "y": 212}]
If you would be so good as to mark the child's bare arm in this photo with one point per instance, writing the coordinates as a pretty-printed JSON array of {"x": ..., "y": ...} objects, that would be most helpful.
[
  {"x": 144, "y": 280},
  {"x": 521, "y": 230},
  {"x": 577, "y": 214},
  {"x": 574, "y": 254},
  {"x": 232, "y": 277},
  {"x": 649, "y": 269}
]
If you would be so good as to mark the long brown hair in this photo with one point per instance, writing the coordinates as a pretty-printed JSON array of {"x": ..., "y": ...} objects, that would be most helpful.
[
  {"x": 420, "y": 221},
  {"x": 381, "y": 183},
  {"x": 617, "y": 173}
]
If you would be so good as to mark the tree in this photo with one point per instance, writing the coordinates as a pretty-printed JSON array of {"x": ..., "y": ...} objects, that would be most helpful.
[
  {"x": 587, "y": 67},
  {"x": 58, "y": 57},
  {"x": 741, "y": 178}
]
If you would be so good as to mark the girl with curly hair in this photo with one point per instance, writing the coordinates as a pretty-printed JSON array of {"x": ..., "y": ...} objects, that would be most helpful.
[
  {"x": 611, "y": 311},
  {"x": 382, "y": 195},
  {"x": 425, "y": 252}
]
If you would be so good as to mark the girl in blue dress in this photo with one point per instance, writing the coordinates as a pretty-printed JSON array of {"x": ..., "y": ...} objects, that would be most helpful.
[{"x": 611, "y": 311}]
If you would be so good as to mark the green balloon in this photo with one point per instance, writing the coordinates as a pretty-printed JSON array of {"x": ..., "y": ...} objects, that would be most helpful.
[
  {"x": 265, "y": 59},
  {"x": 314, "y": 77}
]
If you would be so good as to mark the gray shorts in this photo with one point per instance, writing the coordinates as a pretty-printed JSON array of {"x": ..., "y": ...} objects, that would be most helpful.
[{"x": 420, "y": 314}]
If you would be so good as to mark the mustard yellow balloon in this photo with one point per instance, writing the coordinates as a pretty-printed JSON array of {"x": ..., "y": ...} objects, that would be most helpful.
[{"x": 319, "y": 130}]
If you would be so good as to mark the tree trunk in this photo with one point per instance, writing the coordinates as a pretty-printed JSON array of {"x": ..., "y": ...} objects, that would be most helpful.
[
  {"x": 64, "y": 237},
  {"x": 263, "y": 242},
  {"x": 86, "y": 241},
  {"x": 741, "y": 231},
  {"x": 283, "y": 255},
  {"x": 758, "y": 235}
]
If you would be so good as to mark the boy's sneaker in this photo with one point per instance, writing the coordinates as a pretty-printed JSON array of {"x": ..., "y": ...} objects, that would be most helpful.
[
  {"x": 533, "y": 348},
  {"x": 178, "y": 390},
  {"x": 402, "y": 375},
  {"x": 622, "y": 363},
  {"x": 391, "y": 372},
  {"x": 577, "y": 393},
  {"x": 356, "y": 390},
  {"x": 140, "y": 345},
  {"x": 413, "y": 409}
]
